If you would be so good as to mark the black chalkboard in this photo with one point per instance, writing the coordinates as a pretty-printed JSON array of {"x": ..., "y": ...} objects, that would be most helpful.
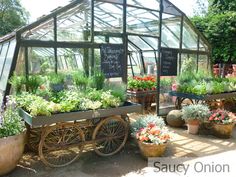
[
  {"x": 112, "y": 60},
  {"x": 169, "y": 59}
]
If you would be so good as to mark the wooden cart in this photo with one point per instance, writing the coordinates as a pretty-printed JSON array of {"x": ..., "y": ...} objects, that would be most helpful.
[
  {"x": 180, "y": 97},
  {"x": 61, "y": 138},
  {"x": 145, "y": 98}
]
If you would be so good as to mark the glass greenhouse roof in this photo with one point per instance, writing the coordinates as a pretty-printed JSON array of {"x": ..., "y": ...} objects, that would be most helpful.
[{"x": 83, "y": 25}]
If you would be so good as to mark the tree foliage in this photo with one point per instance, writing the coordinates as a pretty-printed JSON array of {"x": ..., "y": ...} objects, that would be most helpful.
[
  {"x": 219, "y": 26},
  {"x": 221, "y": 6},
  {"x": 12, "y": 16}
]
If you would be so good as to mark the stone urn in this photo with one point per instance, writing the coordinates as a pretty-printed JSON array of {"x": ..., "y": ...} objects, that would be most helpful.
[
  {"x": 11, "y": 151},
  {"x": 151, "y": 149},
  {"x": 223, "y": 130},
  {"x": 174, "y": 118}
]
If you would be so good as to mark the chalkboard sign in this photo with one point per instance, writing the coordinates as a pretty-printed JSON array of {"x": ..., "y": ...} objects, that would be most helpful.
[
  {"x": 112, "y": 60},
  {"x": 169, "y": 59}
]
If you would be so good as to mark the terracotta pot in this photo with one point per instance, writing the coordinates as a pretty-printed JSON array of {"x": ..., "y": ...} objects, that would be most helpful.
[
  {"x": 11, "y": 149},
  {"x": 223, "y": 130},
  {"x": 193, "y": 126},
  {"x": 152, "y": 150}
]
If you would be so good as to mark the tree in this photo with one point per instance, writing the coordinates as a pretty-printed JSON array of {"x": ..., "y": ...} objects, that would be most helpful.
[
  {"x": 219, "y": 26},
  {"x": 201, "y": 8},
  {"x": 12, "y": 16},
  {"x": 222, "y": 6}
]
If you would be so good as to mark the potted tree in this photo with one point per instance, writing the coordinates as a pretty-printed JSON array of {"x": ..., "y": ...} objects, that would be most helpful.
[
  {"x": 12, "y": 138},
  {"x": 152, "y": 140},
  {"x": 194, "y": 115},
  {"x": 222, "y": 123}
]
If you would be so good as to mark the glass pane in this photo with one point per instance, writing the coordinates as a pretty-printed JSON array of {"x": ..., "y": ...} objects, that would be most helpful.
[
  {"x": 134, "y": 63},
  {"x": 171, "y": 32},
  {"x": 41, "y": 60},
  {"x": 108, "y": 17},
  {"x": 44, "y": 32},
  {"x": 3, "y": 56},
  {"x": 137, "y": 41},
  {"x": 166, "y": 101},
  {"x": 169, "y": 8},
  {"x": 189, "y": 38},
  {"x": 202, "y": 46},
  {"x": 188, "y": 63},
  {"x": 151, "y": 41},
  {"x": 7, "y": 65},
  {"x": 202, "y": 63},
  {"x": 141, "y": 21},
  {"x": 70, "y": 59},
  {"x": 74, "y": 24},
  {"x": 150, "y": 63},
  {"x": 151, "y": 4}
]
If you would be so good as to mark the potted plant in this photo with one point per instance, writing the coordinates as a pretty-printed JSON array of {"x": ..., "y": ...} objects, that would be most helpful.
[
  {"x": 56, "y": 81},
  {"x": 98, "y": 80},
  {"x": 33, "y": 82},
  {"x": 222, "y": 123},
  {"x": 81, "y": 80},
  {"x": 152, "y": 140},
  {"x": 194, "y": 115},
  {"x": 143, "y": 121},
  {"x": 12, "y": 138}
]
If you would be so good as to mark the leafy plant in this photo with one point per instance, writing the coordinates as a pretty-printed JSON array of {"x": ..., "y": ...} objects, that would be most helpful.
[
  {"x": 195, "y": 112},
  {"x": 10, "y": 121},
  {"x": 143, "y": 121},
  {"x": 17, "y": 82},
  {"x": 80, "y": 80},
  {"x": 98, "y": 80},
  {"x": 117, "y": 90},
  {"x": 33, "y": 82},
  {"x": 56, "y": 78}
]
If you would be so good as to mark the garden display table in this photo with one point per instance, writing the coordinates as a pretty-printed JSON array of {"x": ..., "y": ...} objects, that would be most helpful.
[
  {"x": 60, "y": 138},
  {"x": 145, "y": 98},
  {"x": 180, "y": 97}
]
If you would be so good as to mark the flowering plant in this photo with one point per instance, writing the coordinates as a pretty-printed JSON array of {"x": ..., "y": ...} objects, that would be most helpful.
[
  {"x": 221, "y": 116},
  {"x": 153, "y": 134},
  {"x": 146, "y": 82},
  {"x": 10, "y": 121}
]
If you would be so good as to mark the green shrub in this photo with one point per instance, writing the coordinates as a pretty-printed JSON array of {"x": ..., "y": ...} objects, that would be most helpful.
[{"x": 195, "y": 112}]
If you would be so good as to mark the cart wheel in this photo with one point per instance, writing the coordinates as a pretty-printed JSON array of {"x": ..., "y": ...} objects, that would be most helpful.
[
  {"x": 33, "y": 138},
  {"x": 61, "y": 144},
  {"x": 110, "y": 136}
]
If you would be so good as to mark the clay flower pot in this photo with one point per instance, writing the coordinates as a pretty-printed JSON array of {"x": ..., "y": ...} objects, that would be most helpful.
[
  {"x": 152, "y": 150},
  {"x": 193, "y": 126},
  {"x": 11, "y": 149},
  {"x": 223, "y": 130}
]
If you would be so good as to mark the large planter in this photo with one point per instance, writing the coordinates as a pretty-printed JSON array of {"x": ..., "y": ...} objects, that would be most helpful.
[
  {"x": 11, "y": 150},
  {"x": 223, "y": 130},
  {"x": 152, "y": 150},
  {"x": 193, "y": 126}
]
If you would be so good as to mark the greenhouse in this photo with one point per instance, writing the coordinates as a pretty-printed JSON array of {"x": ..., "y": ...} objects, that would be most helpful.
[{"x": 73, "y": 37}]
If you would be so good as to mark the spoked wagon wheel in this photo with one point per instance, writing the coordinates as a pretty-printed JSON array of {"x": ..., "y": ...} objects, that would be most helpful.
[
  {"x": 33, "y": 138},
  {"x": 61, "y": 144},
  {"x": 110, "y": 136}
]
